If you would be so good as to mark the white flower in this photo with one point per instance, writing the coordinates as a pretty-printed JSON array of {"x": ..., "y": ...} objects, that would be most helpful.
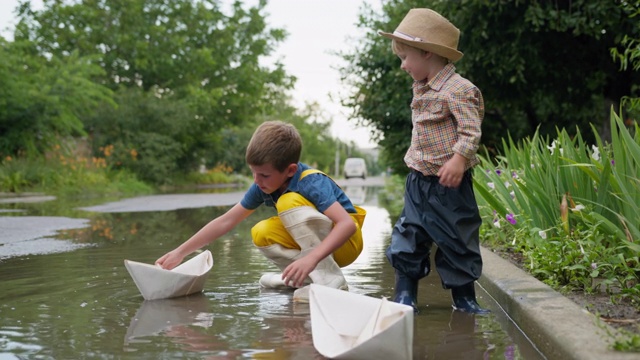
[
  {"x": 552, "y": 147},
  {"x": 578, "y": 208},
  {"x": 542, "y": 234},
  {"x": 596, "y": 153},
  {"x": 491, "y": 185},
  {"x": 497, "y": 224},
  {"x": 507, "y": 184}
]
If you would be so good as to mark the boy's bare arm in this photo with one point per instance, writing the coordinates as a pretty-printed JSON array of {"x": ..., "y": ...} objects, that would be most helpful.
[{"x": 210, "y": 232}]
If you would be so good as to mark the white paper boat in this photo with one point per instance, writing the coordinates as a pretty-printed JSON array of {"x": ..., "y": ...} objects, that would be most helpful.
[
  {"x": 155, "y": 282},
  {"x": 345, "y": 325}
]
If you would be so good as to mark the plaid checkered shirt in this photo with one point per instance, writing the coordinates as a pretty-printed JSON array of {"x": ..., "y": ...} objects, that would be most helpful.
[{"x": 447, "y": 113}]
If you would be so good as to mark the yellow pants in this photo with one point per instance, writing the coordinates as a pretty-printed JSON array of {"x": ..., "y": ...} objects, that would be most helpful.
[{"x": 271, "y": 231}]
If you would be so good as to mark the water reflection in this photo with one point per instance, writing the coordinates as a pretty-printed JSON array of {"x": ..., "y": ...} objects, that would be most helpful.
[
  {"x": 156, "y": 316},
  {"x": 357, "y": 194},
  {"x": 459, "y": 338},
  {"x": 83, "y": 303}
]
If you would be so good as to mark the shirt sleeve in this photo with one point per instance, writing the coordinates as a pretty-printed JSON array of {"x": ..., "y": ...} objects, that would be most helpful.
[
  {"x": 252, "y": 198},
  {"x": 467, "y": 108},
  {"x": 318, "y": 189}
]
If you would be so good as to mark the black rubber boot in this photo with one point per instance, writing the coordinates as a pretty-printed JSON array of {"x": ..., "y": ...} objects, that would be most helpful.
[
  {"x": 406, "y": 291},
  {"x": 464, "y": 299}
]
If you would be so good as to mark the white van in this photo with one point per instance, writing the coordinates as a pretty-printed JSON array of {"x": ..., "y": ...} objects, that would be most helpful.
[{"x": 355, "y": 167}]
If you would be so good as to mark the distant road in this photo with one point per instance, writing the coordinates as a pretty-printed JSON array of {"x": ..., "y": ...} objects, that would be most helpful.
[{"x": 369, "y": 181}]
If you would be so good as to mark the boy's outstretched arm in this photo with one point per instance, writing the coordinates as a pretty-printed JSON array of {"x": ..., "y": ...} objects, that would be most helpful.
[{"x": 210, "y": 232}]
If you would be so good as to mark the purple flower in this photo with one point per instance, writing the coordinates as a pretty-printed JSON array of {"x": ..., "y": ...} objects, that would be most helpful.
[
  {"x": 594, "y": 266},
  {"x": 511, "y": 218},
  {"x": 498, "y": 172},
  {"x": 613, "y": 162}
]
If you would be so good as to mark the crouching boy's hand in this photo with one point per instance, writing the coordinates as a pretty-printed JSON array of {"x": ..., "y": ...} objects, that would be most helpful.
[
  {"x": 295, "y": 274},
  {"x": 170, "y": 260}
]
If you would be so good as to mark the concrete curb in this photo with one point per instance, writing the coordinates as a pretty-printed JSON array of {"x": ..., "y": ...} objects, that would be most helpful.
[{"x": 557, "y": 326}]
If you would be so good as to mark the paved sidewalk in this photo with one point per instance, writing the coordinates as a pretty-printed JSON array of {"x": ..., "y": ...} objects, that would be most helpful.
[{"x": 558, "y": 327}]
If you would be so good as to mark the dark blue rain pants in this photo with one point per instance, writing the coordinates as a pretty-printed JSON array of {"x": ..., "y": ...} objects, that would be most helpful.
[{"x": 445, "y": 216}]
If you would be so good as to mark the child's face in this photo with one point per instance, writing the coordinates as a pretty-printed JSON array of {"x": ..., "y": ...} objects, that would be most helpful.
[
  {"x": 269, "y": 179},
  {"x": 414, "y": 62}
]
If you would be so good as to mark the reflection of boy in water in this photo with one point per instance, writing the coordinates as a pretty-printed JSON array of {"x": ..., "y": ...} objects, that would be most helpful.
[{"x": 317, "y": 230}]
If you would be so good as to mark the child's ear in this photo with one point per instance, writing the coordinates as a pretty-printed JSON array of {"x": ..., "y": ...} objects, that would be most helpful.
[{"x": 291, "y": 169}]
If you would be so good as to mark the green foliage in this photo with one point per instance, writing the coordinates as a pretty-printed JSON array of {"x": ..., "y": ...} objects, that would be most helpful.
[
  {"x": 211, "y": 177},
  {"x": 382, "y": 90},
  {"x": 391, "y": 197},
  {"x": 65, "y": 172},
  {"x": 629, "y": 57},
  {"x": 622, "y": 340},
  {"x": 195, "y": 69},
  {"x": 570, "y": 208},
  {"x": 43, "y": 99},
  {"x": 15, "y": 176},
  {"x": 318, "y": 147},
  {"x": 540, "y": 65},
  {"x": 150, "y": 135}
]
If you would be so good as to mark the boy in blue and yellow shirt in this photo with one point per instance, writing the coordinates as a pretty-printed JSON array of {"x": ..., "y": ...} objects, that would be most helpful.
[{"x": 317, "y": 229}]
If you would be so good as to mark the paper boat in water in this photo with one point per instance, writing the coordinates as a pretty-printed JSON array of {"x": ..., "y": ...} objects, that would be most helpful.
[
  {"x": 345, "y": 325},
  {"x": 155, "y": 282}
]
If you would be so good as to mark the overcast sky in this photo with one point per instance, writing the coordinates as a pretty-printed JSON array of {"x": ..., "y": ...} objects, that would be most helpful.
[{"x": 316, "y": 29}]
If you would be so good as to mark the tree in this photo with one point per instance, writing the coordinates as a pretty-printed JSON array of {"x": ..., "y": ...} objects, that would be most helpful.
[
  {"x": 539, "y": 65},
  {"x": 628, "y": 53},
  {"x": 44, "y": 100},
  {"x": 189, "y": 52}
]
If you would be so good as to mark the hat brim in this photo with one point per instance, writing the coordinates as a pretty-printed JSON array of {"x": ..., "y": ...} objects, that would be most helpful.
[{"x": 444, "y": 51}]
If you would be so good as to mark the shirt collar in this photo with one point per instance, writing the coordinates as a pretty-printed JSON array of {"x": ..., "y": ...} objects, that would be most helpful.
[
  {"x": 295, "y": 180},
  {"x": 437, "y": 81}
]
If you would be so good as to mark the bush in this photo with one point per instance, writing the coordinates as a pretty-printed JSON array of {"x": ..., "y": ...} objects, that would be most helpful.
[{"x": 571, "y": 209}]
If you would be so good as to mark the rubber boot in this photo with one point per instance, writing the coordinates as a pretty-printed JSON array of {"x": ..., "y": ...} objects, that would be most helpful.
[
  {"x": 280, "y": 257},
  {"x": 464, "y": 299},
  {"x": 406, "y": 291},
  {"x": 308, "y": 227}
]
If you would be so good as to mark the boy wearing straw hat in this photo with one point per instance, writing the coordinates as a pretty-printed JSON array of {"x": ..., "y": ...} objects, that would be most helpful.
[{"x": 439, "y": 203}]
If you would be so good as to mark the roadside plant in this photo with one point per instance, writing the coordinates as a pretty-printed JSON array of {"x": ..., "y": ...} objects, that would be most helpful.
[{"x": 572, "y": 209}]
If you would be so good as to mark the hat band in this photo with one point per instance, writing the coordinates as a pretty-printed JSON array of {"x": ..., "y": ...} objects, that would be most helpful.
[{"x": 407, "y": 36}]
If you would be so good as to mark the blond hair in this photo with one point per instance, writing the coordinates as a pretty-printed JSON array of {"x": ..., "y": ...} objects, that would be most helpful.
[
  {"x": 399, "y": 47},
  {"x": 276, "y": 143}
]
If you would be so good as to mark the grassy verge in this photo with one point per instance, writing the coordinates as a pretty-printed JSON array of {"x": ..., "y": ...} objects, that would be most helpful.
[{"x": 64, "y": 173}]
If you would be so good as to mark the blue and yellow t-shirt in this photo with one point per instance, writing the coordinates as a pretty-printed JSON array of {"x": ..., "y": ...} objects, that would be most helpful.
[{"x": 318, "y": 188}]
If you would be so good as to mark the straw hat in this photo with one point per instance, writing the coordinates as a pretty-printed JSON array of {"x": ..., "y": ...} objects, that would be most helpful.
[{"x": 427, "y": 30}]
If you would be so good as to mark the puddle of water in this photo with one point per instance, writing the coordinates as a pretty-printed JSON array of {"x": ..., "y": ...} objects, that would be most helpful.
[{"x": 83, "y": 303}]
